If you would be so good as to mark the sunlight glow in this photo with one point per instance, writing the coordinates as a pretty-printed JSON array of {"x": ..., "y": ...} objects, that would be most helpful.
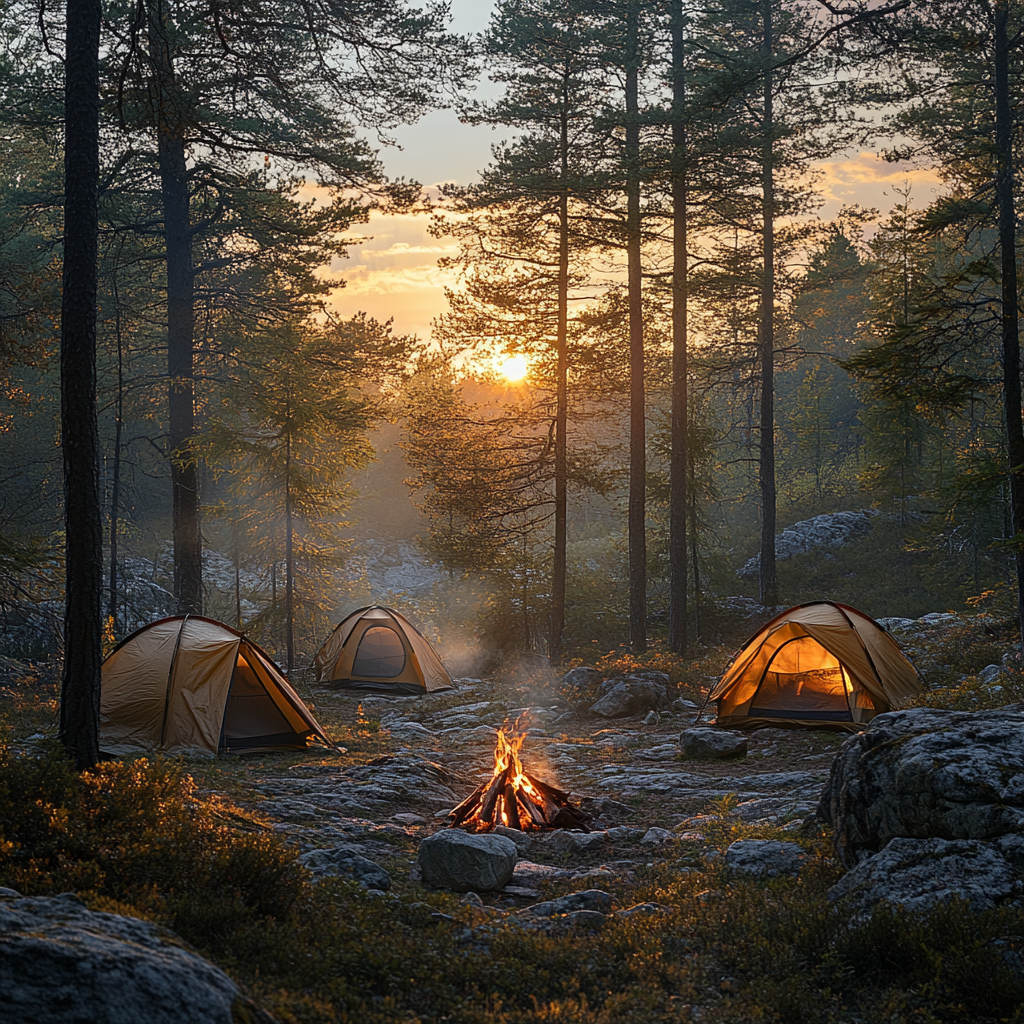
[{"x": 515, "y": 367}]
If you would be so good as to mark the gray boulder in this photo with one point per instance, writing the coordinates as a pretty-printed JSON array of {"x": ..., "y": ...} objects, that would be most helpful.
[
  {"x": 60, "y": 962},
  {"x": 765, "y": 857},
  {"x": 581, "y": 678},
  {"x": 919, "y": 873},
  {"x": 926, "y": 773},
  {"x": 346, "y": 862},
  {"x": 618, "y": 702},
  {"x": 633, "y": 694},
  {"x": 466, "y": 862},
  {"x": 708, "y": 744}
]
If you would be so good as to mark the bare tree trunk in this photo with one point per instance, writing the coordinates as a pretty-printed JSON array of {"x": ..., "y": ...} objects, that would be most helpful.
[
  {"x": 769, "y": 585},
  {"x": 637, "y": 422},
  {"x": 558, "y": 569},
  {"x": 174, "y": 187},
  {"x": 677, "y": 607},
  {"x": 1010, "y": 311},
  {"x": 83, "y": 616},
  {"x": 115, "y": 489},
  {"x": 289, "y": 564}
]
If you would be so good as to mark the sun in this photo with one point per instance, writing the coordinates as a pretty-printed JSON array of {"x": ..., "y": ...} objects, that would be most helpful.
[{"x": 515, "y": 367}]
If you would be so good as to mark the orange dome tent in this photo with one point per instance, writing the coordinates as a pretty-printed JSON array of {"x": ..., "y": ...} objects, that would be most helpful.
[
  {"x": 187, "y": 684},
  {"x": 818, "y": 665},
  {"x": 379, "y": 649}
]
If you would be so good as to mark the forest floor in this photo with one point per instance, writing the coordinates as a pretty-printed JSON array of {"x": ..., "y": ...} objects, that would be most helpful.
[{"x": 716, "y": 947}]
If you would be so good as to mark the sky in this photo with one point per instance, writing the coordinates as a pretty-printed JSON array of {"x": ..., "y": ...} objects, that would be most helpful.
[{"x": 394, "y": 273}]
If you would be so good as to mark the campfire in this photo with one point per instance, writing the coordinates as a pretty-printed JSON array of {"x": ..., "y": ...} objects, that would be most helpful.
[{"x": 514, "y": 798}]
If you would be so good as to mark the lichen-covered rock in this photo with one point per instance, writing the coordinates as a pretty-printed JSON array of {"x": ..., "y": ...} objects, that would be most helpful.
[
  {"x": 707, "y": 744},
  {"x": 60, "y": 963},
  {"x": 919, "y": 873},
  {"x": 466, "y": 861},
  {"x": 926, "y": 773},
  {"x": 830, "y": 530},
  {"x": 346, "y": 862},
  {"x": 765, "y": 857}
]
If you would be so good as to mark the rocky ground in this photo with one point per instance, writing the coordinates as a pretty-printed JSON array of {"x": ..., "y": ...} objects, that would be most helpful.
[{"x": 420, "y": 756}]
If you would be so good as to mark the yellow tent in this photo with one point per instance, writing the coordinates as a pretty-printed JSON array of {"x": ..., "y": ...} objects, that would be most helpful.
[
  {"x": 379, "y": 649},
  {"x": 819, "y": 665},
  {"x": 186, "y": 684}
]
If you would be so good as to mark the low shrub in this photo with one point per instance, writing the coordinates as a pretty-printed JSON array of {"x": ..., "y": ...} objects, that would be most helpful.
[{"x": 138, "y": 832}]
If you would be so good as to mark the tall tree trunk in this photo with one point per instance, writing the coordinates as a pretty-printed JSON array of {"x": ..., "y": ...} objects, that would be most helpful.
[
  {"x": 677, "y": 609},
  {"x": 174, "y": 189},
  {"x": 115, "y": 489},
  {"x": 289, "y": 564},
  {"x": 769, "y": 586},
  {"x": 695, "y": 553},
  {"x": 1010, "y": 311},
  {"x": 80, "y": 443},
  {"x": 637, "y": 421},
  {"x": 558, "y": 569}
]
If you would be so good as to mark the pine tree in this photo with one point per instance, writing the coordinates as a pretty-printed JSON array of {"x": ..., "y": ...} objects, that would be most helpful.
[
  {"x": 522, "y": 229},
  {"x": 80, "y": 684},
  {"x": 291, "y": 423},
  {"x": 206, "y": 90}
]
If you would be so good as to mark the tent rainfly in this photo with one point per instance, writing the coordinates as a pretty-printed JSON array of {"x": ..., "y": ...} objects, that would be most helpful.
[
  {"x": 187, "y": 684},
  {"x": 379, "y": 649},
  {"x": 819, "y": 665}
]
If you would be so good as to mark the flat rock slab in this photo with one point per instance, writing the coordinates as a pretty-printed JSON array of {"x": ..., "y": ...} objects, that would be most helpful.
[
  {"x": 405, "y": 779},
  {"x": 61, "y": 963},
  {"x": 920, "y": 873},
  {"x": 466, "y": 861},
  {"x": 349, "y": 863},
  {"x": 767, "y": 857},
  {"x": 712, "y": 743},
  {"x": 578, "y": 911}
]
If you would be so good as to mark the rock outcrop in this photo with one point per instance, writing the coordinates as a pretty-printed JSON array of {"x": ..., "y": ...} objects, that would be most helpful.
[
  {"x": 928, "y": 806},
  {"x": 924, "y": 774},
  {"x": 918, "y": 873},
  {"x": 348, "y": 863},
  {"x": 61, "y": 962},
  {"x": 825, "y": 531}
]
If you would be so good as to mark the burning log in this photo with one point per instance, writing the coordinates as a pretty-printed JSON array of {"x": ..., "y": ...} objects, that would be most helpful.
[{"x": 516, "y": 799}]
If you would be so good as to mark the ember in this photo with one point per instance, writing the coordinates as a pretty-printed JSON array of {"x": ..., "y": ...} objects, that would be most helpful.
[{"x": 515, "y": 798}]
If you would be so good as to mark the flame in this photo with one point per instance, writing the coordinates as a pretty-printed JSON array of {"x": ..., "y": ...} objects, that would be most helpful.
[{"x": 506, "y": 755}]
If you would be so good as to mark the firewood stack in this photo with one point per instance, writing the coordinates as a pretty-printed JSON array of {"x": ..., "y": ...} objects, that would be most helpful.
[{"x": 514, "y": 798}]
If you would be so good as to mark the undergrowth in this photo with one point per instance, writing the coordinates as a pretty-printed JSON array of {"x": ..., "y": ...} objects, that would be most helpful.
[{"x": 141, "y": 838}]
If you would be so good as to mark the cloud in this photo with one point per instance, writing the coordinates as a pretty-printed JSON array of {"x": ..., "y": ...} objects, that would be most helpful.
[
  {"x": 361, "y": 280},
  {"x": 405, "y": 249},
  {"x": 865, "y": 178}
]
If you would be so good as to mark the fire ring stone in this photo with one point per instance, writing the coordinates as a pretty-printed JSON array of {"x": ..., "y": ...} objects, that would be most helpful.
[{"x": 467, "y": 861}]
